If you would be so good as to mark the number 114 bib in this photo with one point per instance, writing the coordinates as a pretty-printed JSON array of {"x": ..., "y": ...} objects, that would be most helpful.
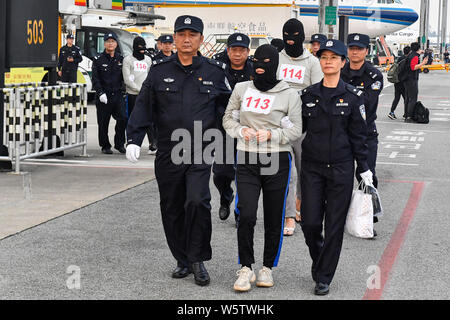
[{"x": 292, "y": 73}]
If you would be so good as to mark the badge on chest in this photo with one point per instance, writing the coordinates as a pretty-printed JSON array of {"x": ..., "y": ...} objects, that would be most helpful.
[
  {"x": 292, "y": 73},
  {"x": 257, "y": 102}
]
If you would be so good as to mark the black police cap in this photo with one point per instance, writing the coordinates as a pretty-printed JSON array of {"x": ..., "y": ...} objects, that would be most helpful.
[
  {"x": 166, "y": 38},
  {"x": 238, "y": 40},
  {"x": 189, "y": 22},
  {"x": 318, "y": 38},
  {"x": 70, "y": 36},
  {"x": 109, "y": 36},
  {"x": 358, "y": 40},
  {"x": 333, "y": 45}
]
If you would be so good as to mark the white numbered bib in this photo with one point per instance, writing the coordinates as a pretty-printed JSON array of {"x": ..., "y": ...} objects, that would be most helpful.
[
  {"x": 255, "y": 101},
  {"x": 140, "y": 66},
  {"x": 292, "y": 73}
]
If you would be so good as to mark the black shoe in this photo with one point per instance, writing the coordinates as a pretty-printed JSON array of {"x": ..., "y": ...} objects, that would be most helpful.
[
  {"x": 181, "y": 272},
  {"x": 321, "y": 289},
  {"x": 107, "y": 151},
  {"x": 121, "y": 149},
  {"x": 224, "y": 212},
  {"x": 409, "y": 120},
  {"x": 392, "y": 116},
  {"x": 374, "y": 233},
  {"x": 201, "y": 275}
]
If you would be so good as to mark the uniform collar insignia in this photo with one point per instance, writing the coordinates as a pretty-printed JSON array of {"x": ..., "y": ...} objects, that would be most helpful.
[{"x": 169, "y": 80}]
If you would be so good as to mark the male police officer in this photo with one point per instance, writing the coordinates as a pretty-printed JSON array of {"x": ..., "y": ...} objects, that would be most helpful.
[
  {"x": 333, "y": 118},
  {"x": 368, "y": 79},
  {"x": 69, "y": 58},
  {"x": 107, "y": 81},
  {"x": 166, "y": 47},
  {"x": 238, "y": 69},
  {"x": 316, "y": 41},
  {"x": 187, "y": 92}
]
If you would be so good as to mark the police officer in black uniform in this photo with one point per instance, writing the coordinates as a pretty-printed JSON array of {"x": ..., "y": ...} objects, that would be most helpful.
[
  {"x": 187, "y": 92},
  {"x": 166, "y": 47},
  {"x": 334, "y": 116},
  {"x": 107, "y": 81},
  {"x": 69, "y": 58},
  {"x": 365, "y": 77},
  {"x": 238, "y": 69},
  {"x": 316, "y": 41}
]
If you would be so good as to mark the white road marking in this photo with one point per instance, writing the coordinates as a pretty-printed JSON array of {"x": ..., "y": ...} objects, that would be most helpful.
[{"x": 397, "y": 164}]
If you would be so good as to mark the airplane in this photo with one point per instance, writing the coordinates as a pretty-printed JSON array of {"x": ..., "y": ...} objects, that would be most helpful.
[{"x": 372, "y": 17}]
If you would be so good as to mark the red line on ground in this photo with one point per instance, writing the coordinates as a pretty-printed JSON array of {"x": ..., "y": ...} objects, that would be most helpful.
[{"x": 392, "y": 249}]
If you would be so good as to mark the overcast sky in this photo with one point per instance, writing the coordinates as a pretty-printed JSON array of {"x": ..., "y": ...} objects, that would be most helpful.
[{"x": 434, "y": 13}]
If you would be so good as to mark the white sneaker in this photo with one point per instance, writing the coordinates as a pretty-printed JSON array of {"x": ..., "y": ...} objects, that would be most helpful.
[
  {"x": 245, "y": 277},
  {"x": 265, "y": 278}
]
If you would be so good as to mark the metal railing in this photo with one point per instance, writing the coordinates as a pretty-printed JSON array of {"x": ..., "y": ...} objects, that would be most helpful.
[{"x": 43, "y": 120}]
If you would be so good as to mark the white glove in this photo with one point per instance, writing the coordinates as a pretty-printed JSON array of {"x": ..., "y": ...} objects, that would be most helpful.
[
  {"x": 367, "y": 178},
  {"x": 286, "y": 123},
  {"x": 104, "y": 98},
  {"x": 133, "y": 153},
  {"x": 236, "y": 114}
]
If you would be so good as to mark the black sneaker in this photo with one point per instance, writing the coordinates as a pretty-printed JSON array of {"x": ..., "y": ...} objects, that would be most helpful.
[
  {"x": 224, "y": 212},
  {"x": 392, "y": 116},
  {"x": 121, "y": 149},
  {"x": 107, "y": 151}
]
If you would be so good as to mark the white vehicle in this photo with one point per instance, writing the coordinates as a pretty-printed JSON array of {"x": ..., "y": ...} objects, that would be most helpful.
[{"x": 372, "y": 17}]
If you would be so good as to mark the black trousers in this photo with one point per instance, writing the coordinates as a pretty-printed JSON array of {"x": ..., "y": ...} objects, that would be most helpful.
[
  {"x": 116, "y": 109},
  {"x": 399, "y": 91},
  {"x": 69, "y": 76},
  {"x": 151, "y": 132},
  {"x": 185, "y": 208},
  {"x": 326, "y": 195},
  {"x": 250, "y": 180},
  {"x": 223, "y": 176},
  {"x": 411, "y": 93}
]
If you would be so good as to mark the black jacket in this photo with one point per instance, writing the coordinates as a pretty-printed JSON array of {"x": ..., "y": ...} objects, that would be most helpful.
[
  {"x": 412, "y": 75},
  {"x": 107, "y": 74},
  {"x": 173, "y": 97},
  {"x": 370, "y": 80},
  {"x": 335, "y": 132},
  {"x": 66, "y": 52}
]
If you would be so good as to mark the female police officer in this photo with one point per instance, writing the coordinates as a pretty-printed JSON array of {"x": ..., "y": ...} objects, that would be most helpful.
[{"x": 334, "y": 120}]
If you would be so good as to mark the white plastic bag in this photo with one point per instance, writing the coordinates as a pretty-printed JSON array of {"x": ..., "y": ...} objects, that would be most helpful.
[{"x": 359, "y": 221}]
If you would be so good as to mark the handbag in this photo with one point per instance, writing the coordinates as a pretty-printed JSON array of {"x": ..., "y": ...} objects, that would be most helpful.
[{"x": 359, "y": 222}]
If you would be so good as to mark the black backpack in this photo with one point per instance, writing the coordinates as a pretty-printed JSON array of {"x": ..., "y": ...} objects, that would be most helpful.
[
  {"x": 421, "y": 114},
  {"x": 402, "y": 70}
]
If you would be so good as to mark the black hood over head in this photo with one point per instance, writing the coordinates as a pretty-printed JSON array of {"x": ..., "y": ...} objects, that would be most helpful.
[
  {"x": 290, "y": 28},
  {"x": 138, "y": 45},
  {"x": 267, "y": 80}
]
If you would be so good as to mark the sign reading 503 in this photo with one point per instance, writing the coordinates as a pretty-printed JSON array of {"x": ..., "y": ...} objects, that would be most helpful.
[
  {"x": 32, "y": 33},
  {"x": 35, "y": 32}
]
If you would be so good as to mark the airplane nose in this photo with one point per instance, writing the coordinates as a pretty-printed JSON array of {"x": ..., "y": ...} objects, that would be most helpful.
[{"x": 413, "y": 16}]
